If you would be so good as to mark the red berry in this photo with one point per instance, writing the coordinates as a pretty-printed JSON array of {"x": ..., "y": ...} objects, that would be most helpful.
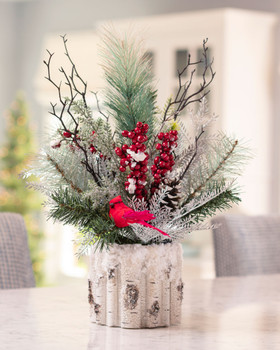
[
  {"x": 131, "y": 134},
  {"x": 164, "y": 171},
  {"x": 164, "y": 156},
  {"x": 146, "y": 127},
  {"x": 144, "y": 162},
  {"x": 175, "y": 138},
  {"x": 134, "y": 140},
  {"x": 66, "y": 134},
  {"x": 122, "y": 169},
  {"x": 127, "y": 183},
  {"x": 137, "y": 167},
  {"x": 174, "y": 132},
  {"x": 165, "y": 144},
  {"x": 128, "y": 157},
  {"x": 143, "y": 148},
  {"x": 133, "y": 148},
  {"x": 124, "y": 147},
  {"x": 118, "y": 151},
  {"x": 92, "y": 149},
  {"x": 153, "y": 167},
  {"x": 159, "y": 171},
  {"x": 156, "y": 160},
  {"x": 160, "y": 135},
  {"x": 101, "y": 155},
  {"x": 137, "y": 130},
  {"x": 172, "y": 138},
  {"x": 143, "y": 177},
  {"x": 136, "y": 173},
  {"x": 138, "y": 144},
  {"x": 140, "y": 186},
  {"x": 123, "y": 162},
  {"x": 175, "y": 144},
  {"x": 162, "y": 164},
  {"x": 167, "y": 165},
  {"x": 129, "y": 176},
  {"x": 93, "y": 132},
  {"x": 157, "y": 176},
  {"x": 141, "y": 138},
  {"x": 139, "y": 124},
  {"x": 153, "y": 190},
  {"x": 125, "y": 133},
  {"x": 172, "y": 162},
  {"x": 138, "y": 191},
  {"x": 144, "y": 169},
  {"x": 158, "y": 146},
  {"x": 166, "y": 136}
]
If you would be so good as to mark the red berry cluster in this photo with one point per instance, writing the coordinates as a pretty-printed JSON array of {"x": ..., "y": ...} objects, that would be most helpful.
[
  {"x": 136, "y": 180},
  {"x": 165, "y": 161}
]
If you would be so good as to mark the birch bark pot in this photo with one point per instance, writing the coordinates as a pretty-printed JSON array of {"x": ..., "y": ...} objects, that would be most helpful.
[{"x": 135, "y": 286}]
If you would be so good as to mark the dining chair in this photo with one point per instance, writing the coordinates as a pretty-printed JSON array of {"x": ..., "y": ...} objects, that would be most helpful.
[
  {"x": 15, "y": 264},
  {"x": 246, "y": 245}
]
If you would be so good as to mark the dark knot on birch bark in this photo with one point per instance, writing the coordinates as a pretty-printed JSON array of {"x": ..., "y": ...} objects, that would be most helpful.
[{"x": 131, "y": 296}]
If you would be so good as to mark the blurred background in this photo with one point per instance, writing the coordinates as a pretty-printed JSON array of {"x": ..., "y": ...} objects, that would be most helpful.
[{"x": 244, "y": 38}]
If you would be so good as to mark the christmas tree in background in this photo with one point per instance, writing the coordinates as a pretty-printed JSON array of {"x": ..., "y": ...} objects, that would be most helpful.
[{"x": 14, "y": 196}]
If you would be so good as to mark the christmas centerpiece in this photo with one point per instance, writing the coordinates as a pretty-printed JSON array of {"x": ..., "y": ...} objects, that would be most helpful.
[{"x": 134, "y": 180}]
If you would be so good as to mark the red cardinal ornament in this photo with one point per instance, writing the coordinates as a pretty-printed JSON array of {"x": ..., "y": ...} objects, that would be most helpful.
[{"x": 124, "y": 216}]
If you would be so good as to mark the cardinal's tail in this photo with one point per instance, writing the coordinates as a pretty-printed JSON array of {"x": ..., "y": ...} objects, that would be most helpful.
[{"x": 155, "y": 228}]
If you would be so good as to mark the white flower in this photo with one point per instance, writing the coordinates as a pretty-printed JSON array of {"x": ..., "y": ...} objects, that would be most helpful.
[
  {"x": 131, "y": 188},
  {"x": 138, "y": 157},
  {"x": 133, "y": 164}
]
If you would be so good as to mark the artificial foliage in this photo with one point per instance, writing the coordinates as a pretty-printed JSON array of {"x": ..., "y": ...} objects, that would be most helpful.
[
  {"x": 132, "y": 156},
  {"x": 14, "y": 196}
]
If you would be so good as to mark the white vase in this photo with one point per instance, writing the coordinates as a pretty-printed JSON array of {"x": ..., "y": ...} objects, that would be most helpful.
[{"x": 136, "y": 286}]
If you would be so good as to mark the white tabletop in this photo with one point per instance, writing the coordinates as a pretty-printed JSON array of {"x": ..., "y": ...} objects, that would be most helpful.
[{"x": 225, "y": 313}]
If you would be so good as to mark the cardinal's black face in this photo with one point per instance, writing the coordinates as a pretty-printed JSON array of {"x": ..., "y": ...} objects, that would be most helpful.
[{"x": 112, "y": 204}]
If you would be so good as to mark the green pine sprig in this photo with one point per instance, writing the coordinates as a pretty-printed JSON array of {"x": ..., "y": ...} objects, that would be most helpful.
[{"x": 130, "y": 95}]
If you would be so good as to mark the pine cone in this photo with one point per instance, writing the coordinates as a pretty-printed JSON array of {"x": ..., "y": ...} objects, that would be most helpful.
[{"x": 173, "y": 195}]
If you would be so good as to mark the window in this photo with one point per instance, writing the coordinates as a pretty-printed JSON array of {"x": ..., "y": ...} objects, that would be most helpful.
[{"x": 181, "y": 61}]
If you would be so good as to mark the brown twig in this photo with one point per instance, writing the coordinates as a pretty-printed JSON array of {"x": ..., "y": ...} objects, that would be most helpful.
[
  {"x": 183, "y": 98},
  {"x": 66, "y": 104}
]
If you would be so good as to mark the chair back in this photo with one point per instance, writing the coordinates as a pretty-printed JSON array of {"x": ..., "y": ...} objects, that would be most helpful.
[
  {"x": 246, "y": 245},
  {"x": 15, "y": 265}
]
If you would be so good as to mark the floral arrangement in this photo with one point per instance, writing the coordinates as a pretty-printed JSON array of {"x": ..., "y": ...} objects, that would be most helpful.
[{"x": 129, "y": 172}]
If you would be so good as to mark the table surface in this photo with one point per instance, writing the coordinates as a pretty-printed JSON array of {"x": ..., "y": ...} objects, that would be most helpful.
[{"x": 224, "y": 313}]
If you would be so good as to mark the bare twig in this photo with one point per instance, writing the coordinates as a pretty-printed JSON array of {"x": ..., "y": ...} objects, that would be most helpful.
[
  {"x": 66, "y": 105},
  {"x": 183, "y": 98}
]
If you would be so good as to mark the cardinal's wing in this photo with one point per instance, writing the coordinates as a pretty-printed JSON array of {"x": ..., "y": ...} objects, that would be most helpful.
[{"x": 144, "y": 215}]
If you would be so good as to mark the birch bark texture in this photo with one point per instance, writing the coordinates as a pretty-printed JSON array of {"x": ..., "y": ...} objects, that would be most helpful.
[{"x": 136, "y": 286}]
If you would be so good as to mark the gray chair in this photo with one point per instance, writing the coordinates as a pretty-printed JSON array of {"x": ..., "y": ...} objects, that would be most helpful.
[
  {"x": 246, "y": 245},
  {"x": 15, "y": 265}
]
